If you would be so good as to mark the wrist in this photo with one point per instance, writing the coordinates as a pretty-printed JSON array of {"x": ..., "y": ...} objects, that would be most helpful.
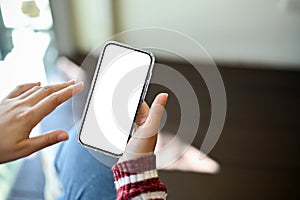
[{"x": 137, "y": 165}]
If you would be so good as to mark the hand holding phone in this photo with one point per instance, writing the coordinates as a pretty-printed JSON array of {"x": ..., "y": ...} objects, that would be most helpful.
[
  {"x": 144, "y": 138},
  {"x": 119, "y": 87}
]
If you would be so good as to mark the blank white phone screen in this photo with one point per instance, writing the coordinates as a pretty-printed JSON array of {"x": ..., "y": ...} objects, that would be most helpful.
[{"x": 120, "y": 82}]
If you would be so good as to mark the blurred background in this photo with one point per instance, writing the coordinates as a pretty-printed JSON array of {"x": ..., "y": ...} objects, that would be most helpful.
[{"x": 255, "y": 44}]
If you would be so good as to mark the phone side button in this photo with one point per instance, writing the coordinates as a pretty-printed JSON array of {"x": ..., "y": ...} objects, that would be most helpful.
[{"x": 145, "y": 90}]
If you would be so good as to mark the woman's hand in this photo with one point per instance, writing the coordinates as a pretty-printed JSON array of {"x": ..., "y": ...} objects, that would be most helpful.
[
  {"x": 144, "y": 139},
  {"x": 23, "y": 109}
]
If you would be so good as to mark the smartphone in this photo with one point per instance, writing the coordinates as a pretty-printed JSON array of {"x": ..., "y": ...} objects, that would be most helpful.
[{"x": 118, "y": 88}]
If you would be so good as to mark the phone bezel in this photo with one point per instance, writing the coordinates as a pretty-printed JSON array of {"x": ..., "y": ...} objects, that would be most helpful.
[{"x": 91, "y": 91}]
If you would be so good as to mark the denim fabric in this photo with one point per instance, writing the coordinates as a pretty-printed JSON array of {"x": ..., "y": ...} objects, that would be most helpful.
[{"x": 81, "y": 175}]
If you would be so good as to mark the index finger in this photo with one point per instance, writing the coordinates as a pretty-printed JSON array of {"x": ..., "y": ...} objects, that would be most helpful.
[
  {"x": 142, "y": 114},
  {"x": 48, "y": 104}
]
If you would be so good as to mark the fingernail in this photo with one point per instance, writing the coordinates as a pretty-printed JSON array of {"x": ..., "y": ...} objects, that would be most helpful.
[
  {"x": 77, "y": 88},
  {"x": 71, "y": 81},
  {"x": 62, "y": 137}
]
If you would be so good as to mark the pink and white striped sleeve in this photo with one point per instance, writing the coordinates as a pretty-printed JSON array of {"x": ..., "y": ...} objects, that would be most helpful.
[{"x": 138, "y": 179}]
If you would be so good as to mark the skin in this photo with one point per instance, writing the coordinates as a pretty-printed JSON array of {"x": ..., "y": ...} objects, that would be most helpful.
[
  {"x": 28, "y": 104},
  {"x": 144, "y": 139},
  {"x": 23, "y": 109},
  {"x": 191, "y": 160}
]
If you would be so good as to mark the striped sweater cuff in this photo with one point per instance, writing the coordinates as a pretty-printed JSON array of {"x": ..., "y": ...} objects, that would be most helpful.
[{"x": 138, "y": 179}]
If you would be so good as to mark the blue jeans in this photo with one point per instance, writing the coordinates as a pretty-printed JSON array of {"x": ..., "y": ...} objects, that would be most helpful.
[{"x": 82, "y": 176}]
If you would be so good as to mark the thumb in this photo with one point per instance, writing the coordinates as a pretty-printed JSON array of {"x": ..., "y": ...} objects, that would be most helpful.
[
  {"x": 153, "y": 120},
  {"x": 143, "y": 141},
  {"x": 39, "y": 142}
]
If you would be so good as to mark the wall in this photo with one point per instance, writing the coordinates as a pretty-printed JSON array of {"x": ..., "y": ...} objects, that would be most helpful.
[{"x": 266, "y": 32}]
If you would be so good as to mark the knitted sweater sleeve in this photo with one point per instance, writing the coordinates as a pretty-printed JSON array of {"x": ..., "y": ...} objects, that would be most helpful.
[{"x": 138, "y": 179}]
